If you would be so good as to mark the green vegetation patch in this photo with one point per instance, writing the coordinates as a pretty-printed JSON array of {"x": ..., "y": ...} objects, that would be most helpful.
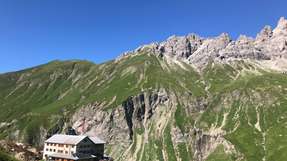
[
  {"x": 6, "y": 157},
  {"x": 168, "y": 144},
  {"x": 220, "y": 155}
]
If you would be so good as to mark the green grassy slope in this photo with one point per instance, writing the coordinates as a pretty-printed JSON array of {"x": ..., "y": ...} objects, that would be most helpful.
[{"x": 248, "y": 103}]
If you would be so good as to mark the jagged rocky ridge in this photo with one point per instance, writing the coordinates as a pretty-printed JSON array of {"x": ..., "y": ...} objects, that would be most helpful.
[{"x": 193, "y": 49}]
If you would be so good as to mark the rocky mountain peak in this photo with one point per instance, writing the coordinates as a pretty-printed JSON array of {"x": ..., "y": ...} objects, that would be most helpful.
[
  {"x": 265, "y": 34},
  {"x": 224, "y": 37},
  {"x": 281, "y": 27},
  {"x": 243, "y": 39}
]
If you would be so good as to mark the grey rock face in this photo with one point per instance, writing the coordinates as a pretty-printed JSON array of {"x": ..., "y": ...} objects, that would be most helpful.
[
  {"x": 180, "y": 47},
  {"x": 268, "y": 45},
  {"x": 243, "y": 48},
  {"x": 209, "y": 50},
  {"x": 140, "y": 108},
  {"x": 94, "y": 121},
  {"x": 281, "y": 28},
  {"x": 117, "y": 126},
  {"x": 265, "y": 34}
]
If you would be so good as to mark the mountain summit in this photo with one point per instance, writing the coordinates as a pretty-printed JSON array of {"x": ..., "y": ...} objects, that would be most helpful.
[{"x": 281, "y": 27}]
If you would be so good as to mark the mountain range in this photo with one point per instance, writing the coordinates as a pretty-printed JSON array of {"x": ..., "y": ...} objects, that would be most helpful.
[{"x": 186, "y": 98}]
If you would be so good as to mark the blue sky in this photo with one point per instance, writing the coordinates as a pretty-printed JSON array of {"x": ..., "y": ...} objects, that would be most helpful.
[{"x": 34, "y": 32}]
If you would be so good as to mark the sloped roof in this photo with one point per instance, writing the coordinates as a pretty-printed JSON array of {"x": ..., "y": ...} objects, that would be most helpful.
[
  {"x": 65, "y": 139},
  {"x": 97, "y": 140},
  {"x": 72, "y": 139}
]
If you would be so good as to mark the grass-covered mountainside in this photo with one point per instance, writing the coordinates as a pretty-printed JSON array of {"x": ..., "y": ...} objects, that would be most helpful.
[
  {"x": 227, "y": 112},
  {"x": 187, "y": 98}
]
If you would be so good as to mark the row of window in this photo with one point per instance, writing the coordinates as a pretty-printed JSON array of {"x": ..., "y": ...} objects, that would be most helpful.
[
  {"x": 59, "y": 145},
  {"x": 51, "y": 150},
  {"x": 59, "y": 151}
]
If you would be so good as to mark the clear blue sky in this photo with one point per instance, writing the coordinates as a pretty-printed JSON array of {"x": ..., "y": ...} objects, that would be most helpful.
[{"x": 34, "y": 32}]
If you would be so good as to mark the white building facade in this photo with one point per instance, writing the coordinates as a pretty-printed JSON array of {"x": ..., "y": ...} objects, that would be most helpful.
[{"x": 72, "y": 148}]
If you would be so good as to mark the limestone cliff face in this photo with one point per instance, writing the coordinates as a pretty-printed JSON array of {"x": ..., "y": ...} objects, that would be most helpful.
[
  {"x": 147, "y": 117},
  {"x": 119, "y": 126}
]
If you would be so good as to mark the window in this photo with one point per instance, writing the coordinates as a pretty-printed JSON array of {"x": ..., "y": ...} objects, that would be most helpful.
[
  {"x": 66, "y": 152},
  {"x": 60, "y": 151},
  {"x": 54, "y": 150},
  {"x": 50, "y": 149},
  {"x": 47, "y": 149}
]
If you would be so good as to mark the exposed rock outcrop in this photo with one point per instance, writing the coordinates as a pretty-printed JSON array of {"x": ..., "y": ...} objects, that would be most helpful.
[
  {"x": 205, "y": 143},
  {"x": 117, "y": 125}
]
